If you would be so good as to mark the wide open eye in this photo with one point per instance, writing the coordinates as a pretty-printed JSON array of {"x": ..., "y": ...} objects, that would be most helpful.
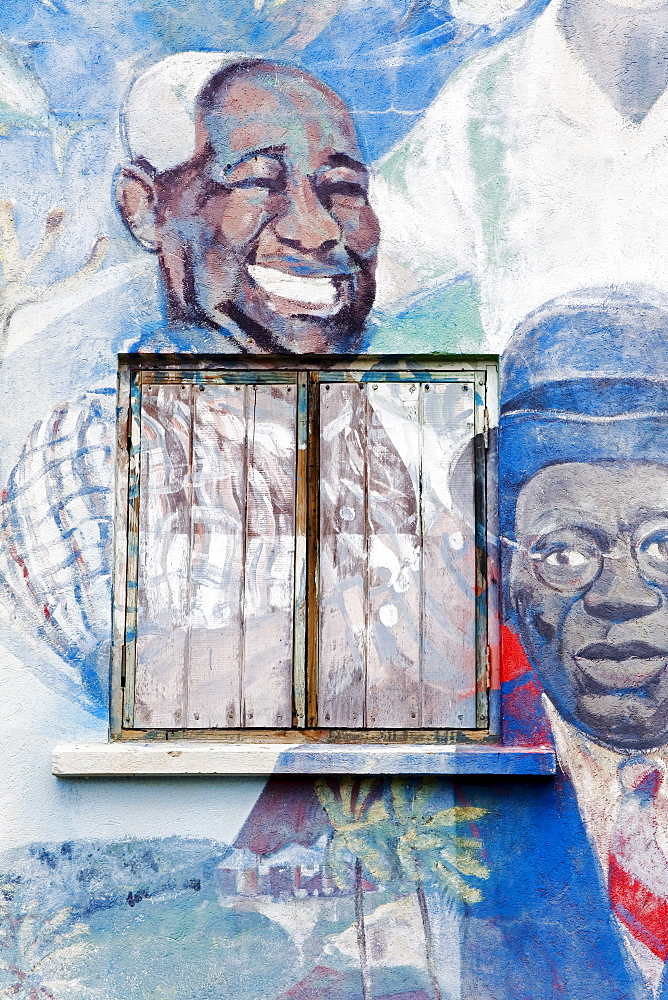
[
  {"x": 566, "y": 561},
  {"x": 652, "y": 555}
]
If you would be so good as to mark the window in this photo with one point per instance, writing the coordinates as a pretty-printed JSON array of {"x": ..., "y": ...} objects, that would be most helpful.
[{"x": 301, "y": 546}]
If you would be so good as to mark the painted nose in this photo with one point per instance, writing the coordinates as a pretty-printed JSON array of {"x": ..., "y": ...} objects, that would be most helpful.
[
  {"x": 306, "y": 224},
  {"x": 619, "y": 594}
]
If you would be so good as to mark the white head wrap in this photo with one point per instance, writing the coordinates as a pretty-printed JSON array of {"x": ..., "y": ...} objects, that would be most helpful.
[{"x": 158, "y": 118}]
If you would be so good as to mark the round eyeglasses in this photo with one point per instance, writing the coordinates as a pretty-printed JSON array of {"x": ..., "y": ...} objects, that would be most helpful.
[{"x": 570, "y": 559}]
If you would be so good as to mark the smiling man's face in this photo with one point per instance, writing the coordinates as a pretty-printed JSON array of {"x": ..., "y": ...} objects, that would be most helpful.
[
  {"x": 589, "y": 586},
  {"x": 269, "y": 223}
]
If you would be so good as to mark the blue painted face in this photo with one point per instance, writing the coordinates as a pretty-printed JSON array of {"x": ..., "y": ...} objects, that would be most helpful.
[
  {"x": 589, "y": 588},
  {"x": 270, "y": 222}
]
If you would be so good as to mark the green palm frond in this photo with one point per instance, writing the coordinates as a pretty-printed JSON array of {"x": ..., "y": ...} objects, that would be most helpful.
[
  {"x": 465, "y": 862},
  {"x": 362, "y": 827},
  {"x": 456, "y": 814},
  {"x": 455, "y": 884},
  {"x": 339, "y": 860},
  {"x": 397, "y": 837},
  {"x": 428, "y": 845},
  {"x": 424, "y": 792}
]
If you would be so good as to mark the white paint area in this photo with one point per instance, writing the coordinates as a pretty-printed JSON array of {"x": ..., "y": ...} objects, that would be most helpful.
[
  {"x": 558, "y": 191},
  {"x": 30, "y": 320},
  {"x": 395, "y": 936},
  {"x": 484, "y": 11},
  {"x": 388, "y": 615},
  {"x": 456, "y": 541},
  {"x": 37, "y": 806},
  {"x": 319, "y": 292},
  {"x": 159, "y": 113}
]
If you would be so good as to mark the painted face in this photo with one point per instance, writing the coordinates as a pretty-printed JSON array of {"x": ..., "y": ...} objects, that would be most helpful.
[
  {"x": 269, "y": 223},
  {"x": 589, "y": 585}
]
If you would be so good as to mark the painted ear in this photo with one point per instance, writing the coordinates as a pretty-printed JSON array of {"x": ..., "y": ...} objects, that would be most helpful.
[{"x": 136, "y": 200}]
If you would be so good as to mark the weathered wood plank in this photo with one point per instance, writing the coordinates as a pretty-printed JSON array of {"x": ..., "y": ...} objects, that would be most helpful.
[
  {"x": 394, "y": 559},
  {"x": 269, "y": 556},
  {"x": 343, "y": 556},
  {"x": 178, "y": 757},
  {"x": 218, "y": 551},
  {"x": 299, "y": 662},
  {"x": 164, "y": 556},
  {"x": 448, "y": 518},
  {"x": 124, "y": 612},
  {"x": 312, "y": 545}
]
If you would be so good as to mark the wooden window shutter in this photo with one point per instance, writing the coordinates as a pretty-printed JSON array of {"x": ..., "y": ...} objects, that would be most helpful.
[
  {"x": 397, "y": 594},
  {"x": 216, "y": 539},
  {"x": 303, "y": 548}
]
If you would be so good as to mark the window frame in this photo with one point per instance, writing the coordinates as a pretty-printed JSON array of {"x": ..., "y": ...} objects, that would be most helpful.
[{"x": 482, "y": 370}]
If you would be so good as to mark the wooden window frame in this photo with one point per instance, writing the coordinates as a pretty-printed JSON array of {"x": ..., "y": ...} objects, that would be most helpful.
[{"x": 309, "y": 371}]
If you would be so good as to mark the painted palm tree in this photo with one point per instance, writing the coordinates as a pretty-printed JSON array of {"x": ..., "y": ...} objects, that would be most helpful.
[
  {"x": 394, "y": 833},
  {"x": 430, "y": 852},
  {"x": 358, "y": 813}
]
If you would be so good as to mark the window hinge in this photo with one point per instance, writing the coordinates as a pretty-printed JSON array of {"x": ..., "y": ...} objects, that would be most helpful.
[
  {"x": 485, "y": 427},
  {"x": 488, "y": 667}
]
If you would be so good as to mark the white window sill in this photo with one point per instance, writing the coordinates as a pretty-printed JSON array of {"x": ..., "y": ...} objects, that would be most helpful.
[{"x": 174, "y": 757}]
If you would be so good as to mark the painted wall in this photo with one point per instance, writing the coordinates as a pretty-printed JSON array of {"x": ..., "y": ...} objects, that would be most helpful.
[{"x": 482, "y": 176}]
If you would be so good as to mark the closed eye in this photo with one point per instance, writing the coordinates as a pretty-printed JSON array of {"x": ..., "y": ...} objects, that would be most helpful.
[
  {"x": 348, "y": 193},
  {"x": 260, "y": 172},
  {"x": 276, "y": 184}
]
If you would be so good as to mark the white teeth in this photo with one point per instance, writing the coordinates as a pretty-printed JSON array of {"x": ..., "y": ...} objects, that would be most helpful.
[{"x": 317, "y": 292}]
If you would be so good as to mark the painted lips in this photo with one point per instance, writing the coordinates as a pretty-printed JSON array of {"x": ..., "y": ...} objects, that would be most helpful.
[
  {"x": 316, "y": 294},
  {"x": 622, "y": 665}
]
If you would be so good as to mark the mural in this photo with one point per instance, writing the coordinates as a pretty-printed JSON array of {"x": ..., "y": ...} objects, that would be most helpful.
[{"x": 342, "y": 178}]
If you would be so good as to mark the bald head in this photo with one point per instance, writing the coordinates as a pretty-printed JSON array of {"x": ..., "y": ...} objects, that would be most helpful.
[{"x": 268, "y": 222}]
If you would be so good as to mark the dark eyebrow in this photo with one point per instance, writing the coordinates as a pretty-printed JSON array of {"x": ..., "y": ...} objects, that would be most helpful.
[{"x": 344, "y": 160}]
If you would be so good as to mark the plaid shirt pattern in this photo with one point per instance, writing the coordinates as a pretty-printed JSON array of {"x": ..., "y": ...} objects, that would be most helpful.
[{"x": 56, "y": 521}]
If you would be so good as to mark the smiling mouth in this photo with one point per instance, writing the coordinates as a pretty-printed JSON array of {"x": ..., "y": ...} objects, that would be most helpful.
[{"x": 316, "y": 294}]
